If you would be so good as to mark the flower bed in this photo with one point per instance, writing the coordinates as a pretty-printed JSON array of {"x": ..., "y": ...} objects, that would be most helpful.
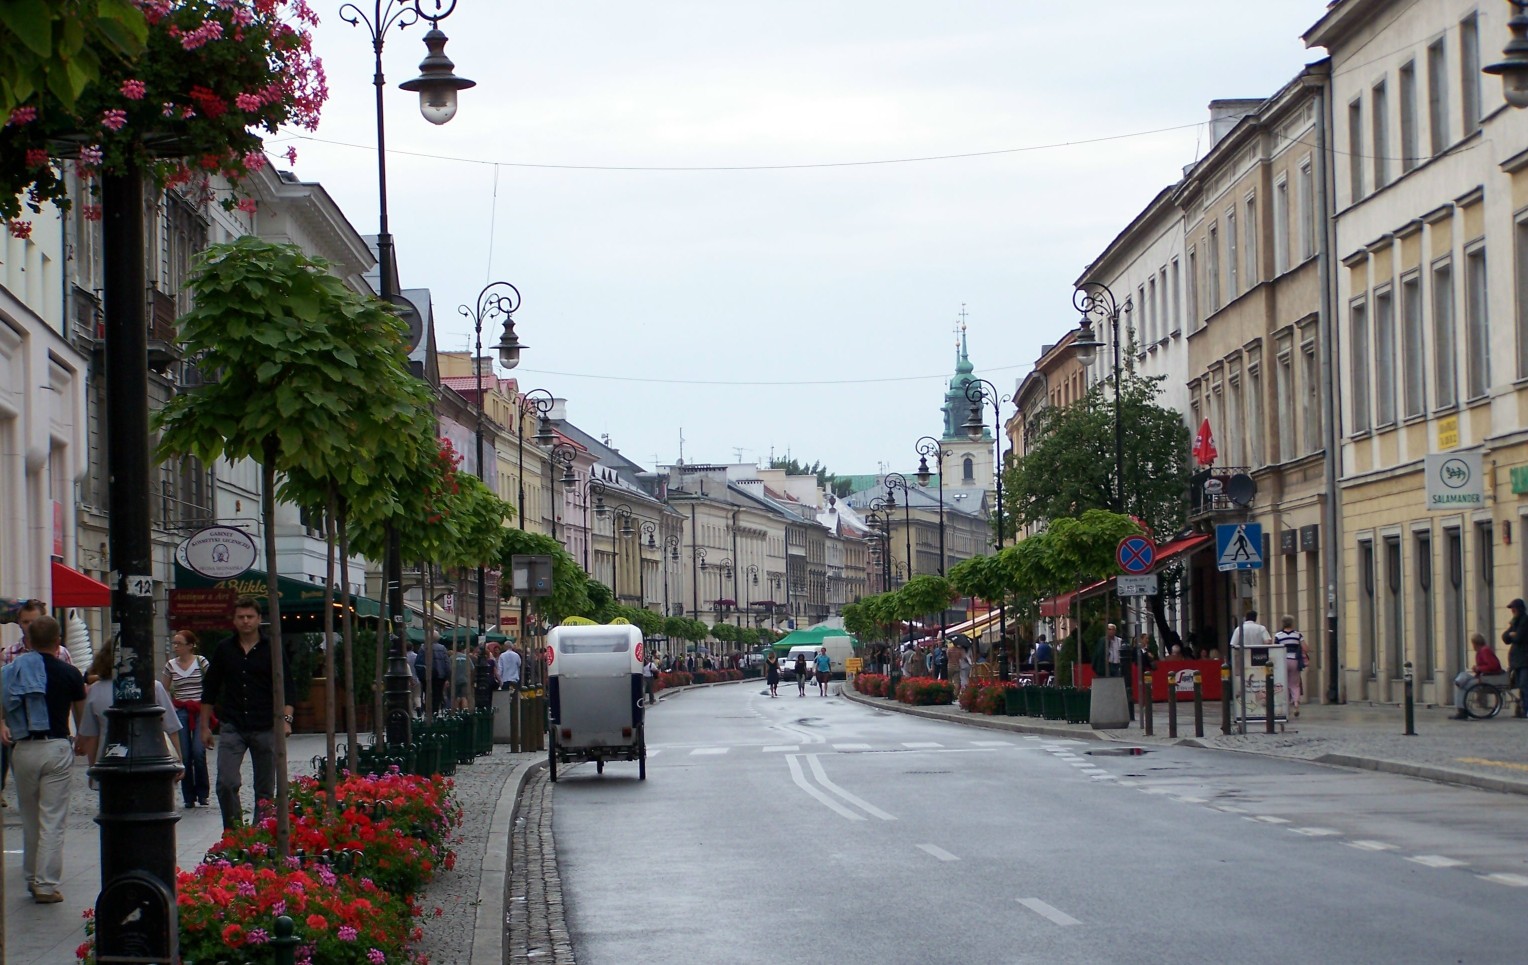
[
  {"x": 925, "y": 691},
  {"x": 871, "y": 684},
  {"x": 680, "y": 678},
  {"x": 356, "y": 907},
  {"x": 986, "y": 696}
]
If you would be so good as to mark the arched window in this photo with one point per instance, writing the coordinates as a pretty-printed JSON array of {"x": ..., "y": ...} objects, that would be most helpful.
[{"x": 968, "y": 469}]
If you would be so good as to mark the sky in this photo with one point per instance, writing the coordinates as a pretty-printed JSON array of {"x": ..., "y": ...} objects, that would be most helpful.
[{"x": 800, "y": 293}]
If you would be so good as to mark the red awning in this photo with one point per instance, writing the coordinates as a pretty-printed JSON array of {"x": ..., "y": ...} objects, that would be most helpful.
[
  {"x": 73, "y": 588},
  {"x": 1179, "y": 547},
  {"x": 1060, "y": 606}
]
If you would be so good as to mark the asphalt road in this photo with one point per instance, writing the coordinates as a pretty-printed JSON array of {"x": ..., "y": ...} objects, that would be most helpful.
[{"x": 816, "y": 830}]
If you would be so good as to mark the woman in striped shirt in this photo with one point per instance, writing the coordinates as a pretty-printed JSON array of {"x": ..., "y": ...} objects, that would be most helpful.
[{"x": 183, "y": 675}]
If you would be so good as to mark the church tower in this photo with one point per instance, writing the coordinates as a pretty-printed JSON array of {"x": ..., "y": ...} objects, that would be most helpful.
[{"x": 968, "y": 463}]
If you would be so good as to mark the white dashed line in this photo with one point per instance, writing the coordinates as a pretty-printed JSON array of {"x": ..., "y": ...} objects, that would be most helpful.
[
  {"x": 1435, "y": 861},
  {"x": 1230, "y": 809},
  {"x": 992, "y": 743},
  {"x": 1316, "y": 832},
  {"x": 1156, "y": 790},
  {"x": 1185, "y": 799},
  {"x": 1502, "y": 878},
  {"x": 937, "y": 852},
  {"x": 1370, "y": 845},
  {"x": 1048, "y": 911},
  {"x": 851, "y": 747},
  {"x": 701, "y": 751},
  {"x": 782, "y": 748},
  {"x": 1102, "y": 777},
  {"x": 1269, "y": 819},
  {"x": 1127, "y": 783},
  {"x": 921, "y": 745},
  {"x": 1080, "y": 763},
  {"x": 822, "y": 778},
  {"x": 1031, "y": 737}
]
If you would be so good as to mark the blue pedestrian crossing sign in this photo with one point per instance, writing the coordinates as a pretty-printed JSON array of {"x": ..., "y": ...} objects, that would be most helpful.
[{"x": 1239, "y": 546}]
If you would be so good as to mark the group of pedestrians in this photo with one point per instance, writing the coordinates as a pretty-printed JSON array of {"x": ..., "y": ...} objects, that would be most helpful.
[{"x": 819, "y": 668}]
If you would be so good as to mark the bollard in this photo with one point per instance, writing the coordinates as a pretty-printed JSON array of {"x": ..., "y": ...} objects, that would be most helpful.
[
  {"x": 1225, "y": 698},
  {"x": 1268, "y": 695},
  {"x": 1411, "y": 717},
  {"x": 285, "y": 940},
  {"x": 1198, "y": 704},
  {"x": 1146, "y": 709},
  {"x": 1172, "y": 708}
]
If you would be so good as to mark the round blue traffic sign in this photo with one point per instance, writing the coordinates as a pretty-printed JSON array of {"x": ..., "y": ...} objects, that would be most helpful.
[{"x": 1136, "y": 554}]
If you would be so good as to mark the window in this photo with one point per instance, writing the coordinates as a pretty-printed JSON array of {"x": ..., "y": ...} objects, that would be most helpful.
[
  {"x": 1384, "y": 357},
  {"x": 1249, "y": 225},
  {"x": 1445, "y": 358},
  {"x": 1166, "y": 320},
  {"x": 1177, "y": 319},
  {"x": 1355, "y": 150},
  {"x": 1255, "y": 415},
  {"x": 1413, "y": 357},
  {"x": 1408, "y": 93},
  {"x": 1310, "y": 380},
  {"x": 1358, "y": 355},
  {"x": 1307, "y": 211},
  {"x": 1521, "y": 238},
  {"x": 1485, "y": 577},
  {"x": 1366, "y": 609},
  {"x": 1437, "y": 96},
  {"x": 1379, "y": 116},
  {"x": 1476, "y": 324},
  {"x": 1193, "y": 291},
  {"x": 1469, "y": 73},
  {"x": 1453, "y": 600},
  {"x": 1155, "y": 324},
  {"x": 1281, "y": 227},
  {"x": 1284, "y": 403},
  {"x": 1422, "y": 603},
  {"x": 1232, "y": 256},
  {"x": 1212, "y": 269},
  {"x": 1395, "y": 619},
  {"x": 1141, "y": 336},
  {"x": 968, "y": 469}
]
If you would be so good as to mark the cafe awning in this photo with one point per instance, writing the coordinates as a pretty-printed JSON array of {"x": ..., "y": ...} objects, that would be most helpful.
[
  {"x": 298, "y": 598},
  {"x": 73, "y": 588},
  {"x": 1060, "y": 606}
]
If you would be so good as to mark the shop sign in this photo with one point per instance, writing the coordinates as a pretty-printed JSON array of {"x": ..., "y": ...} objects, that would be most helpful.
[
  {"x": 1448, "y": 432},
  {"x": 1519, "y": 480},
  {"x": 1454, "y": 480}
]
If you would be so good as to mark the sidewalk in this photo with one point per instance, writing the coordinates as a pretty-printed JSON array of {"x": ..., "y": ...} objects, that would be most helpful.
[
  {"x": 1490, "y": 754},
  {"x": 471, "y": 898}
]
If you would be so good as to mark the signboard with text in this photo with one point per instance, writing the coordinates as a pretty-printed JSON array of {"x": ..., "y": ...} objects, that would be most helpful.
[{"x": 1455, "y": 480}]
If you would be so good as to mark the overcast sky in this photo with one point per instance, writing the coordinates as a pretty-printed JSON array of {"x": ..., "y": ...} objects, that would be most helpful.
[{"x": 809, "y": 308}]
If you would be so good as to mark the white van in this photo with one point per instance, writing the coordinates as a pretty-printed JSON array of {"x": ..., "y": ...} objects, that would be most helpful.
[
  {"x": 594, "y": 696},
  {"x": 840, "y": 648}
]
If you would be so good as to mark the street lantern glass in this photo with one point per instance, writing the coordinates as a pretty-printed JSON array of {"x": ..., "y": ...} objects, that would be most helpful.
[
  {"x": 922, "y": 473},
  {"x": 510, "y": 346},
  {"x": 544, "y": 434},
  {"x": 974, "y": 424},
  {"x": 1087, "y": 344},
  {"x": 437, "y": 84}
]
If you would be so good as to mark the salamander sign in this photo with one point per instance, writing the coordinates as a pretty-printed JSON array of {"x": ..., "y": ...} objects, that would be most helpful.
[{"x": 1455, "y": 481}]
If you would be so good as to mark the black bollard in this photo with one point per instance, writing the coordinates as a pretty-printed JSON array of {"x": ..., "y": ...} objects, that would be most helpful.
[
  {"x": 1172, "y": 707},
  {"x": 1147, "y": 713},
  {"x": 285, "y": 941},
  {"x": 1225, "y": 698},
  {"x": 1411, "y": 716},
  {"x": 1268, "y": 695},
  {"x": 1198, "y": 703}
]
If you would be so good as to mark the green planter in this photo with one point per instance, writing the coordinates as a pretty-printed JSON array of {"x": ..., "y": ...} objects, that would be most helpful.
[
  {"x": 1052, "y": 702},
  {"x": 1013, "y": 701},
  {"x": 1078, "y": 704}
]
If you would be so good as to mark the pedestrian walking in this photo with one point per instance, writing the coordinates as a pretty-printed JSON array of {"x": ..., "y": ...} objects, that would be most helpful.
[
  {"x": 966, "y": 665},
  {"x": 184, "y": 674},
  {"x": 1516, "y": 639},
  {"x": 650, "y": 678},
  {"x": 98, "y": 700},
  {"x": 509, "y": 669},
  {"x": 21, "y": 613},
  {"x": 824, "y": 671},
  {"x": 772, "y": 673},
  {"x": 941, "y": 661},
  {"x": 801, "y": 674},
  {"x": 1486, "y": 665},
  {"x": 240, "y": 684},
  {"x": 41, "y": 694},
  {"x": 1295, "y": 659},
  {"x": 439, "y": 667}
]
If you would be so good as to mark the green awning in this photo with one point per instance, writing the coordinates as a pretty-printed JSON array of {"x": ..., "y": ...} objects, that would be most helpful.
[{"x": 297, "y": 597}]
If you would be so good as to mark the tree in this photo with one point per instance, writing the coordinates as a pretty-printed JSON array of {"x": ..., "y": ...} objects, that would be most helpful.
[
  {"x": 838, "y": 486},
  {"x": 58, "y": 47},
  {"x": 570, "y": 584}
]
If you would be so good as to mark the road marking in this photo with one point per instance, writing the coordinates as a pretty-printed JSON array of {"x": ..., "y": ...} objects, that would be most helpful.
[
  {"x": 1229, "y": 808},
  {"x": 1048, "y": 911},
  {"x": 822, "y": 778},
  {"x": 800, "y": 781},
  {"x": 937, "y": 852},
  {"x": 921, "y": 745},
  {"x": 781, "y": 748},
  {"x": 1370, "y": 845},
  {"x": 1316, "y": 832},
  {"x": 1185, "y": 799},
  {"x": 1125, "y": 783},
  {"x": 851, "y": 747},
  {"x": 1157, "y": 790},
  {"x": 1031, "y": 737},
  {"x": 1102, "y": 777},
  {"x": 1435, "y": 861},
  {"x": 1502, "y": 878},
  {"x": 992, "y": 743},
  {"x": 1490, "y": 763},
  {"x": 1080, "y": 763},
  {"x": 1269, "y": 819},
  {"x": 702, "y": 751}
]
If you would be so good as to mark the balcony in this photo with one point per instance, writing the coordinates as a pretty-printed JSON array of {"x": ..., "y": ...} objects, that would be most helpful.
[{"x": 1207, "y": 492}]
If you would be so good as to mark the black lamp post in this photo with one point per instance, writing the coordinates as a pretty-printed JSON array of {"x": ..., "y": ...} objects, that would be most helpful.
[
  {"x": 541, "y": 401},
  {"x": 649, "y": 533},
  {"x": 895, "y": 481},
  {"x": 879, "y": 520},
  {"x": 723, "y": 573},
  {"x": 671, "y": 544},
  {"x": 437, "y": 87},
  {"x": 1096, "y": 303},
  {"x": 697, "y": 558},
  {"x": 496, "y": 300},
  {"x": 627, "y": 531},
  {"x": 752, "y": 569},
  {"x": 1513, "y": 67},
  {"x": 929, "y": 446},
  {"x": 562, "y": 454},
  {"x": 592, "y": 487},
  {"x": 977, "y": 392}
]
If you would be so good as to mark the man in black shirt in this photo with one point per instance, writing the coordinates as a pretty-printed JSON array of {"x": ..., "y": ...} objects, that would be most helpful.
[
  {"x": 42, "y": 694},
  {"x": 240, "y": 686}
]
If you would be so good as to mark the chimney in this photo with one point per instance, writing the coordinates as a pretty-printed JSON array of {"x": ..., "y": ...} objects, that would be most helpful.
[{"x": 1225, "y": 113}]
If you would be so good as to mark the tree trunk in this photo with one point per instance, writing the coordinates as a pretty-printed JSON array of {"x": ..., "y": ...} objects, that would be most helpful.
[
  {"x": 347, "y": 624},
  {"x": 330, "y": 765},
  {"x": 427, "y": 652},
  {"x": 278, "y": 651}
]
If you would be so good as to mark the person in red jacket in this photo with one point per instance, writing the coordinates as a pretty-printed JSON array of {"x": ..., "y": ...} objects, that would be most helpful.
[{"x": 1486, "y": 665}]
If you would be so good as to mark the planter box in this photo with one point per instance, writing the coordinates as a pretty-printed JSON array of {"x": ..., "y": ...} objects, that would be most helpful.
[
  {"x": 1052, "y": 702},
  {"x": 1013, "y": 701},
  {"x": 1078, "y": 704}
]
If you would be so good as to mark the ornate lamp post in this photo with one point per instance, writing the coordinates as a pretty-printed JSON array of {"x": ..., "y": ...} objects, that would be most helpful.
[
  {"x": 697, "y": 558},
  {"x": 1096, "y": 303},
  {"x": 929, "y": 446},
  {"x": 541, "y": 401},
  {"x": 895, "y": 481},
  {"x": 977, "y": 392},
  {"x": 562, "y": 454},
  {"x": 649, "y": 533},
  {"x": 592, "y": 487},
  {"x": 752, "y": 569},
  {"x": 671, "y": 544},
  {"x": 437, "y": 87},
  {"x": 723, "y": 573},
  {"x": 627, "y": 531},
  {"x": 496, "y": 300}
]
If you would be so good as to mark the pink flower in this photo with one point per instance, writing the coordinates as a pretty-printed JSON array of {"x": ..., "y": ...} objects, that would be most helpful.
[
  {"x": 247, "y": 102},
  {"x": 291, "y": 154},
  {"x": 347, "y": 933},
  {"x": 36, "y": 157},
  {"x": 210, "y": 30},
  {"x": 114, "y": 120},
  {"x": 254, "y": 161},
  {"x": 167, "y": 109},
  {"x": 91, "y": 212},
  {"x": 21, "y": 229},
  {"x": 134, "y": 90},
  {"x": 23, "y": 115},
  {"x": 91, "y": 155},
  {"x": 258, "y": 936},
  {"x": 375, "y": 956}
]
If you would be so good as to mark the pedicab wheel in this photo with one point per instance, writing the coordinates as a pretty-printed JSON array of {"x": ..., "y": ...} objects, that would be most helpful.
[
  {"x": 599, "y": 766},
  {"x": 1482, "y": 701},
  {"x": 551, "y": 753}
]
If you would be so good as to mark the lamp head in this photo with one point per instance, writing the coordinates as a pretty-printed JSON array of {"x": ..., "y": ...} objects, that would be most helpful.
[
  {"x": 974, "y": 424},
  {"x": 922, "y": 472},
  {"x": 437, "y": 84},
  {"x": 510, "y": 346},
  {"x": 545, "y": 436},
  {"x": 1087, "y": 344}
]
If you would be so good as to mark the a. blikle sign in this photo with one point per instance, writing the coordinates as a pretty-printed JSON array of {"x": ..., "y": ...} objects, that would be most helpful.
[{"x": 1455, "y": 480}]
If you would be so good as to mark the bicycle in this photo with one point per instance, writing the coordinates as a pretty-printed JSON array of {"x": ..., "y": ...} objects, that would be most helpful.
[{"x": 1484, "y": 698}]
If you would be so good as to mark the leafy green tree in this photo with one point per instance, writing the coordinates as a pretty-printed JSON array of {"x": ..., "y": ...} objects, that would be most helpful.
[
  {"x": 570, "y": 584},
  {"x": 57, "y": 47}
]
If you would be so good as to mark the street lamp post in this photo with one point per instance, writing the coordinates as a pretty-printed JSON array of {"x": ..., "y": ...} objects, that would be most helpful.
[
  {"x": 977, "y": 392},
  {"x": 1096, "y": 303},
  {"x": 541, "y": 401},
  {"x": 649, "y": 533},
  {"x": 496, "y": 300},
  {"x": 437, "y": 87},
  {"x": 895, "y": 481},
  {"x": 697, "y": 558},
  {"x": 929, "y": 446},
  {"x": 562, "y": 454},
  {"x": 723, "y": 573},
  {"x": 592, "y": 487},
  {"x": 671, "y": 545},
  {"x": 752, "y": 569},
  {"x": 623, "y": 513}
]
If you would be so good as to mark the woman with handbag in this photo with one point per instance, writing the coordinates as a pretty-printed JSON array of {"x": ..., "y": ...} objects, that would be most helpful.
[
  {"x": 1295, "y": 659},
  {"x": 182, "y": 677}
]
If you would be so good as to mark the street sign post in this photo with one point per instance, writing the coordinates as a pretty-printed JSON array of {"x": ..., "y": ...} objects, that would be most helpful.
[
  {"x": 1136, "y": 554},
  {"x": 1143, "y": 585},
  {"x": 1239, "y": 546}
]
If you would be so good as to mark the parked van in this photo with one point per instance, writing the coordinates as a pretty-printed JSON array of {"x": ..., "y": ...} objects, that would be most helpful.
[
  {"x": 840, "y": 648},
  {"x": 594, "y": 696}
]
